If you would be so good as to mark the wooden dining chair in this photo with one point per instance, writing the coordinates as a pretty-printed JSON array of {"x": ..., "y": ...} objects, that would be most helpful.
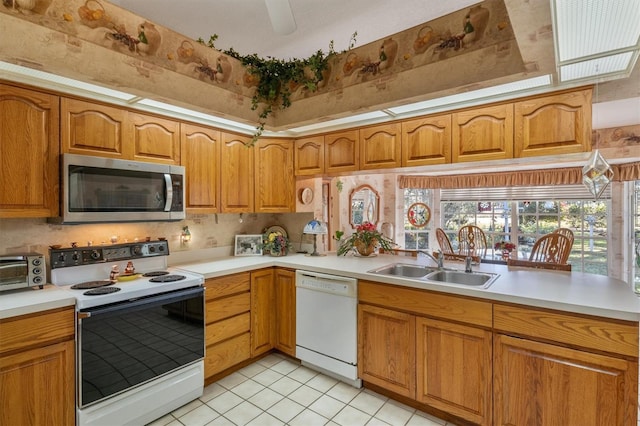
[
  {"x": 567, "y": 233},
  {"x": 444, "y": 242},
  {"x": 539, "y": 265},
  {"x": 551, "y": 248},
  {"x": 472, "y": 241}
]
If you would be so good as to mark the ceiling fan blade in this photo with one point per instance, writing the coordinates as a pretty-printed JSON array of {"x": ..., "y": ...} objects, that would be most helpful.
[{"x": 281, "y": 16}]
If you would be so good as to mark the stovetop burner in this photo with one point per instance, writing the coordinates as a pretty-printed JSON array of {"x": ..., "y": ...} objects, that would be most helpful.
[
  {"x": 167, "y": 278},
  {"x": 91, "y": 284},
  {"x": 101, "y": 290},
  {"x": 155, "y": 274}
]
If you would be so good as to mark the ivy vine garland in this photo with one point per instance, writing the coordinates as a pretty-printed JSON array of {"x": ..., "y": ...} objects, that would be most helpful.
[{"x": 276, "y": 76}]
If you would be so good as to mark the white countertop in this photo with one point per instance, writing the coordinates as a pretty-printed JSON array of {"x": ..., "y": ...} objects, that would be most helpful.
[
  {"x": 30, "y": 300},
  {"x": 567, "y": 291}
]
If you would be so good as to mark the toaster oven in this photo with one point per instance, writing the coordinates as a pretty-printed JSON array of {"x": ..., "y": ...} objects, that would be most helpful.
[{"x": 22, "y": 270}]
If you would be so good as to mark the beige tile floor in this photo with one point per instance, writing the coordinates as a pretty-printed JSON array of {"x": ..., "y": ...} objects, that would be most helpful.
[{"x": 277, "y": 390}]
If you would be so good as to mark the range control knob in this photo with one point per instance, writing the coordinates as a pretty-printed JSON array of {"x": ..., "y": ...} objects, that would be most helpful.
[
  {"x": 37, "y": 280},
  {"x": 137, "y": 250},
  {"x": 36, "y": 261},
  {"x": 75, "y": 256},
  {"x": 95, "y": 255},
  {"x": 152, "y": 249},
  {"x": 161, "y": 248},
  {"x": 62, "y": 257}
]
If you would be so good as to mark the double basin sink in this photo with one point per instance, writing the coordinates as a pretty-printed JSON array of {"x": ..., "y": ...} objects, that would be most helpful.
[{"x": 428, "y": 273}]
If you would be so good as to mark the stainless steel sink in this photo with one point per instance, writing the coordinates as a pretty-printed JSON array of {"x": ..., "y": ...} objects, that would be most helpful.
[
  {"x": 475, "y": 279},
  {"x": 404, "y": 270}
]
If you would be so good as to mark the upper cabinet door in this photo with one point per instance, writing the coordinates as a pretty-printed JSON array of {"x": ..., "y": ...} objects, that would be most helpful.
[
  {"x": 155, "y": 139},
  {"x": 426, "y": 141},
  {"x": 29, "y": 151},
  {"x": 274, "y": 180},
  {"x": 558, "y": 124},
  {"x": 341, "y": 152},
  {"x": 94, "y": 129},
  {"x": 483, "y": 133},
  {"x": 309, "y": 156},
  {"x": 380, "y": 146},
  {"x": 236, "y": 179},
  {"x": 200, "y": 153}
]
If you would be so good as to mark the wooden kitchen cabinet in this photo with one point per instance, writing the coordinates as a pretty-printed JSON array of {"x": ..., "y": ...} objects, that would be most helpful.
[
  {"x": 556, "y": 124},
  {"x": 274, "y": 180},
  {"x": 432, "y": 347},
  {"x": 236, "y": 178},
  {"x": 90, "y": 128},
  {"x": 154, "y": 139},
  {"x": 551, "y": 368},
  {"x": 309, "y": 156},
  {"x": 386, "y": 349},
  {"x": 342, "y": 152},
  {"x": 454, "y": 369},
  {"x": 200, "y": 155},
  {"x": 262, "y": 319},
  {"x": 29, "y": 150},
  {"x": 426, "y": 141},
  {"x": 285, "y": 310},
  {"x": 380, "y": 146},
  {"x": 539, "y": 383},
  {"x": 482, "y": 133},
  {"x": 228, "y": 322},
  {"x": 37, "y": 368}
]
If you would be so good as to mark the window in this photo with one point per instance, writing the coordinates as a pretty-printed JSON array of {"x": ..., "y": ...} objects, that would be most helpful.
[
  {"x": 636, "y": 233},
  {"x": 587, "y": 219},
  {"x": 415, "y": 238}
]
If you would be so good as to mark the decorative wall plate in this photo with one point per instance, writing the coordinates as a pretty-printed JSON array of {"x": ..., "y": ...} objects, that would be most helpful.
[
  {"x": 276, "y": 228},
  {"x": 306, "y": 196},
  {"x": 419, "y": 214}
]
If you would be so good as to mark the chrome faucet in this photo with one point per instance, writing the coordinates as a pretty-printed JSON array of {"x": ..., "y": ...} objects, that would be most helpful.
[
  {"x": 439, "y": 260},
  {"x": 467, "y": 264}
]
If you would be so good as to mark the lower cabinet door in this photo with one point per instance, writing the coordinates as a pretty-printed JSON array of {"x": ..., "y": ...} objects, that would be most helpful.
[
  {"x": 226, "y": 354},
  {"x": 454, "y": 369},
  {"x": 37, "y": 386},
  {"x": 542, "y": 384},
  {"x": 386, "y": 349}
]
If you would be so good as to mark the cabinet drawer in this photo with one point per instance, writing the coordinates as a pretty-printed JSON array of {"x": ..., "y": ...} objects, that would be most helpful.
[
  {"x": 227, "y": 307},
  {"x": 37, "y": 329},
  {"x": 227, "y": 354},
  {"x": 224, "y": 286},
  {"x": 227, "y": 328},
  {"x": 619, "y": 337},
  {"x": 425, "y": 302}
]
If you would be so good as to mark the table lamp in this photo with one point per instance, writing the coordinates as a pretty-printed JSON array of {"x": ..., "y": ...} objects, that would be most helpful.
[{"x": 315, "y": 227}]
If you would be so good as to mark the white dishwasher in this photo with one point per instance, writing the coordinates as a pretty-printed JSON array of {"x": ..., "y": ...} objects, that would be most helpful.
[{"x": 327, "y": 324}]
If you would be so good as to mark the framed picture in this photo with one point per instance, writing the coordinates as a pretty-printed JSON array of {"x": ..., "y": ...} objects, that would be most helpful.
[{"x": 248, "y": 245}]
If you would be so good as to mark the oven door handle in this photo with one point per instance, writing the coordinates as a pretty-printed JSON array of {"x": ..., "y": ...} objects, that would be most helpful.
[{"x": 163, "y": 298}]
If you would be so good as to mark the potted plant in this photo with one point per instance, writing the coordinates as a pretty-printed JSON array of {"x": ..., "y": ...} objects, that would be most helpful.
[
  {"x": 365, "y": 241},
  {"x": 275, "y": 243}
]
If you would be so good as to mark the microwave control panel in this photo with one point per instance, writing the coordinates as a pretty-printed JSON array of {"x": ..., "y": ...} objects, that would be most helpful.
[{"x": 78, "y": 256}]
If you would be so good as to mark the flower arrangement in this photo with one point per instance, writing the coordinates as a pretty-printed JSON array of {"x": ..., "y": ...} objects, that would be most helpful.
[
  {"x": 275, "y": 243},
  {"x": 365, "y": 239},
  {"x": 504, "y": 246}
]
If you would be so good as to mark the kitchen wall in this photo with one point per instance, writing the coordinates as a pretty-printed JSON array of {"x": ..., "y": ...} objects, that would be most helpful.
[{"x": 208, "y": 232}]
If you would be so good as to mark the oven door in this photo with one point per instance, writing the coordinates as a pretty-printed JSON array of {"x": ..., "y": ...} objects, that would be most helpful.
[{"x": 129, "y": 343}]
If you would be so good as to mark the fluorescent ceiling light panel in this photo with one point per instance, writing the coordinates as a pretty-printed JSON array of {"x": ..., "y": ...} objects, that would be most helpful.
[
  {"x": 516, "y": 86},
  {"x": 347, "y": 120},
  {"x": 75, "y": 85},
  {"x": 595, "y": 67},
  {"x": 191, "y": 113},
  {"x": 591, "y": 27}
]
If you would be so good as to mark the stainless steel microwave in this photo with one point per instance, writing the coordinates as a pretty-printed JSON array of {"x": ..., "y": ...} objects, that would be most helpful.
[{"x": 96, "y": 189}]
